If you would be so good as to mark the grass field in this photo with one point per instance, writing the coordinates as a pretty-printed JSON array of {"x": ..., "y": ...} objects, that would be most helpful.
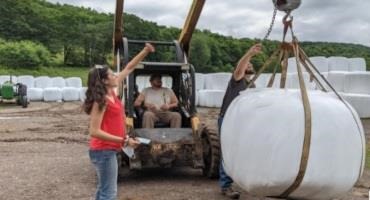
[{"x": 49, "y": 71}]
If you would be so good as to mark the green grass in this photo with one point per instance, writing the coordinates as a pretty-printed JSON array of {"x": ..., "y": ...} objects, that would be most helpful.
[{"x": 49, "y": 71}]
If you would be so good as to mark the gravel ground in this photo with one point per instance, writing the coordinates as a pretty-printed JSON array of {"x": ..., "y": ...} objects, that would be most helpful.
[{"x": 43, "y": 152}]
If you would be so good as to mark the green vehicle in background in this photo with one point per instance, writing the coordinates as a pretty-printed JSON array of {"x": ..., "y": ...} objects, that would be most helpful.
[{"x": 10, "y": 92}]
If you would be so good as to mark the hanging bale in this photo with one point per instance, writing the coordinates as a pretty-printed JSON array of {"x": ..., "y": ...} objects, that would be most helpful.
[{"x": 262, "y": 138}]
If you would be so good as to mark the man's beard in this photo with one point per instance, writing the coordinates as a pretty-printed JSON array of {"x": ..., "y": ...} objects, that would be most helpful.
[{"x": 250, "y": 72}]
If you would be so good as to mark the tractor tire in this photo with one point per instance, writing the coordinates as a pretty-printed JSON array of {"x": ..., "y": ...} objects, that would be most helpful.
[
  {"x": 24, "y": 101},
  {"x": 211, "y": 153}
]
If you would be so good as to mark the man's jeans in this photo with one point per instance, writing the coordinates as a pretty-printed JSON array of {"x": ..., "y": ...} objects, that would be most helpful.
[
  {"x": 105, "y": 162},
  {"x": 225, "y": 181}
]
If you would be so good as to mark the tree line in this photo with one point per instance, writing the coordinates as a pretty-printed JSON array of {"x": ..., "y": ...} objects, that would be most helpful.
[{"x": 38, "y": 33}]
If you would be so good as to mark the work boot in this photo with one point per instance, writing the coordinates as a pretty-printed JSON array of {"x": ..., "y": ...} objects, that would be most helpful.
[{"x": 229, "y": 192}]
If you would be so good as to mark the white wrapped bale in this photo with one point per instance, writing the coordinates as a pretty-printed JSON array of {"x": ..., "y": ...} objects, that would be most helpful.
[
  {"x": 357, "y": 64},
  {"x": 337, "y": 63},
  {"x": 360, "y": 102},
  {"x": 211, "y": 98},
  {"x": 71, "y": 94},
  {"x": 262, "y": 80},
  {"x": 292, "y": 65},
  {"x": 83, "y": 93},
  {"x": 58, "y": 82},
  {"x": 336, "y": 79},
  {"x": 199, "y": 81},
  {"x": 35, "y": 94},
  {"x": 142, "y": 82},
  {"x": 74, "y": 82},
  {"x": 53, "y": 94},
  {"x": 197, "y": 97},
  {"x": 293, "y": 81},
  {"x": 43, "y": 82},
  {"x": 4, "y": 78},
  {"x": 357, "y": 82},
  {"x": 321, "y": 63},
  {"x": 262, "y": 154},
  {"x": 167, "y": 81},
  {"x": 27, "y": 80},
  {"x": 216, "y": 81}
]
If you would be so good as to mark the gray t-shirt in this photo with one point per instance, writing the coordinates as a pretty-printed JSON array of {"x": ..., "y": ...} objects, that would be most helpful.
[{"x": 158, "y": 97}]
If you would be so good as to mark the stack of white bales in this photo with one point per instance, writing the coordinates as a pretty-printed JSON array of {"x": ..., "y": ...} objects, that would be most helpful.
[
  {"x": 33, "y": 93},
  {"x": 215, "y": 85},
  {"x": 199, "y": 85},
  {"x": 72, "y": 90}
]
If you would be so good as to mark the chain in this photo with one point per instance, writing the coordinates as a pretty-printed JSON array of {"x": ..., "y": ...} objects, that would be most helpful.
[{"x": 271, "y": 25}]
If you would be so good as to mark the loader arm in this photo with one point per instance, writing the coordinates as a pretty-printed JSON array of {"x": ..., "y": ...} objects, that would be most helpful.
[
  {"x": 118, "y": 30},
  {"x": 190, "y": 24}
]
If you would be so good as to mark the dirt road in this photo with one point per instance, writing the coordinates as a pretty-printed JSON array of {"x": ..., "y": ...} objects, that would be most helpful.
[{"x": 43, "y": 153}]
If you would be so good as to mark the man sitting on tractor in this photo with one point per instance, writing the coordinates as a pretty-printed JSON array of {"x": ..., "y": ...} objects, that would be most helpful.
[{"x": 158, "y": 102}]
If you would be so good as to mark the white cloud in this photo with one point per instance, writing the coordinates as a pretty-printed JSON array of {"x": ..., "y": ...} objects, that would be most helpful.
[{"x": 345, "y": 21}]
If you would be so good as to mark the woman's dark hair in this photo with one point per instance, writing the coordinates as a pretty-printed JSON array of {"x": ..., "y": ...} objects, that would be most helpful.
[{"x": 96, "y": 90}]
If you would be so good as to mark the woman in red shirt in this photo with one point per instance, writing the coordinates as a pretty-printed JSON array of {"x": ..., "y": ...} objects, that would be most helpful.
[{"x": 107, "y": 130}]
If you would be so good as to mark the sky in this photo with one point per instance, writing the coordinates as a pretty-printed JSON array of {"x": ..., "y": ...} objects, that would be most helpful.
[{"x": 344, "y": 21}]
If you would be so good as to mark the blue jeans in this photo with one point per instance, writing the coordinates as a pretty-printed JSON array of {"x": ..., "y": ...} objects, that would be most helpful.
[
  {"x": 105, "y": 163},
  {"x": 225, "y": 180}
]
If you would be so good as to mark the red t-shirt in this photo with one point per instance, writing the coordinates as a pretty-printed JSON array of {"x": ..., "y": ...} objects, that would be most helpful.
[{"x": 112, "y": 123}]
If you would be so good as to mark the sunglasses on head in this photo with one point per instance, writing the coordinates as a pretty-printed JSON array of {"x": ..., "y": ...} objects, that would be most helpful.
[{"x": 98, "y": 67}]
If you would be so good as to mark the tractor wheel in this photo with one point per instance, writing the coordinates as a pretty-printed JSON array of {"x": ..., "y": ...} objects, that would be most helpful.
[
  {"x": 24, "y": 101},
  {"x": 211, "y": 153}
]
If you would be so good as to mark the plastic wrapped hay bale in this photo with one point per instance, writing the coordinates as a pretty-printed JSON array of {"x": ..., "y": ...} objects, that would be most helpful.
[
  {"x": 199, "y": 81},
  {"x": 53, "y": 94},
  {"x": 4, "y": 78},
  {"x": 35, "y": 94},
  {"x": 338, "y": 63},
  {"x": 43, "y": 82},
  {"x": 83, "y": 93},
  {"x": 29, "y": 81},
  {"x": 216, "y": 81},
  {"x": 211, "y": 98},
  {"x": 58, "y": 82},
  {"x": 71, "y": 94},
  {"x": 357, "y": 64},
  {"x": 74, "y": 82},
  {"x": 263, "y": 152}
]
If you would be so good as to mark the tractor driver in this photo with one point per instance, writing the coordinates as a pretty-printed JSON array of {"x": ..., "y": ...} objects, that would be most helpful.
[{"x": 158, "y": 102}]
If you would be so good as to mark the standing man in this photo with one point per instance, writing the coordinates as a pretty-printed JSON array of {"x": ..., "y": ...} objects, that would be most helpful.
[
  {"x": 158, "y": 102},
  {"x": 239, "y": 81}
]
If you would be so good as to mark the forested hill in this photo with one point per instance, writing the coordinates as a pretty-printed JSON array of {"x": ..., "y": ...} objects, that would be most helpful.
[{"x": 38, "y": 33}]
